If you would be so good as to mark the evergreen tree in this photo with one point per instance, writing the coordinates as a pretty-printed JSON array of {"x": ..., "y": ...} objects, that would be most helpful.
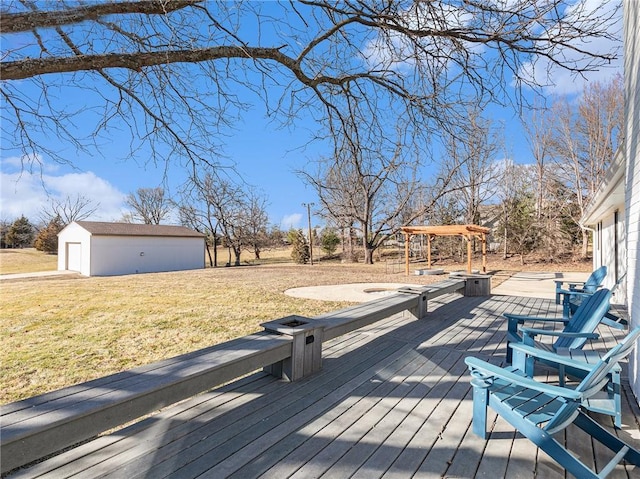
[
  {"x": 20, "y": 233},
  {"x": 300, "y": 252},
  {"x": 330, "y": 241},
  {"x": 47, "y": 238}
]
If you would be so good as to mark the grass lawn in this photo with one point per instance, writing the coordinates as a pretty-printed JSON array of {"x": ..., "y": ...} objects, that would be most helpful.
[
  {"x": 26, "y": 260},
  {"x": 63, "y": 330}
]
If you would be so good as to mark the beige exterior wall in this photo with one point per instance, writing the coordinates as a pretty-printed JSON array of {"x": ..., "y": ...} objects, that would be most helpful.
[{"x": 632, "y": 147}]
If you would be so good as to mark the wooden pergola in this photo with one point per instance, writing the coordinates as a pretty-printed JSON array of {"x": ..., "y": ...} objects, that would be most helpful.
[{"x": 468, "y": 232}]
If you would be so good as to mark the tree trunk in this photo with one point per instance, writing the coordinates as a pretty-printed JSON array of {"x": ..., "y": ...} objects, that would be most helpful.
[
  {"x": 350, "y": 254},
  {"x": 504, "y": 249},
  {"x": 585, "y": 244},
  {"x": 209, "y": 254},
  {"x": 368, "y": 253}
]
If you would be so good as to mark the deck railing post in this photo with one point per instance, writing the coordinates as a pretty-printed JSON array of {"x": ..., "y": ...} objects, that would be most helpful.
[
  {"x": 477, "y": 285},
  {"x": 422, "y": 300},
  {"x": 306, "y": 347}
]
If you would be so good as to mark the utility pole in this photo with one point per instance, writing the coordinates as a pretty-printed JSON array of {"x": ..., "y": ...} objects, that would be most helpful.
[{"x": 309, "y": 205}]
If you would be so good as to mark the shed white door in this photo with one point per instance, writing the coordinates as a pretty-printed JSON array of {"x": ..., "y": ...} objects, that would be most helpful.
[{"x": 74, "y": 257}]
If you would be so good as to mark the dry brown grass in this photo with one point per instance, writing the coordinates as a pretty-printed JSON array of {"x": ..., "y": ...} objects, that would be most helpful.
[
  {"x": 60, "y": 331},
  {"x": 26, "y": 260}
]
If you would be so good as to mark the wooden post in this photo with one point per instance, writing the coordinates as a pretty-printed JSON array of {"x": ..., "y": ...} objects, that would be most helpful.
[
  {"x": 406, "y": 253},
  {"x": 306, "y": 347},
  {"x": 477, "y": 285},
  {"x": 468, "y": 254},
  {"x": 484, "y": 252},
  {"x": 429, "y": 251}
]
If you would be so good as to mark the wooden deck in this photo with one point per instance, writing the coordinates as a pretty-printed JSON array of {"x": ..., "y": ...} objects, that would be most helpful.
[{"x": 392, "y": 400}]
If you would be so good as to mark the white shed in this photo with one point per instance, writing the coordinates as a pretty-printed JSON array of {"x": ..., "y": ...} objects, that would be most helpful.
[{"x": 105, "y": 249}]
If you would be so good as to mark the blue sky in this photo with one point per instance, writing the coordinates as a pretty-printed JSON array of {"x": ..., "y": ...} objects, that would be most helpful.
[{"x": 265, "y": 156}]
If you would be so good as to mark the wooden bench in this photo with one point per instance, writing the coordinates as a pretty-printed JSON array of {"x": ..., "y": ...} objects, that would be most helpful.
[
  {"x": 41, "y": 425},
  {"x": 36, "y": 427},
  {"x": 413, "y": 300}
]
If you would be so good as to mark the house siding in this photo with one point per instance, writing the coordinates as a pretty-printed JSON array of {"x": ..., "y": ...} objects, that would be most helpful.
[
  {"x": 632, "y": 147},
  {"x": 606, "y": 253}
]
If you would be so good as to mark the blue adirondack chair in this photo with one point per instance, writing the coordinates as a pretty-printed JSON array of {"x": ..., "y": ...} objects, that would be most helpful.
[
  {"x": 577, "y": 363},
  {"x": 571, "y": 303},
  {"x": 577, "y": 329},
  {"x": 574, "y": 291},
  {"x": 539, "y": 411}
]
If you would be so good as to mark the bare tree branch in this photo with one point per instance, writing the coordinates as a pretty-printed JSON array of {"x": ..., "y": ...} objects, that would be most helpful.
[
  {"x": 68, "y": 210},
  {"x": 174, "y": 71},
  {"x": 149, "y": 205},
  {"x": 22, "y": 22}
]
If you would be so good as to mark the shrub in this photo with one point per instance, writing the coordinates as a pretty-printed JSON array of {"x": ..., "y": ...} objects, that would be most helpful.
[
  {"x": 329, "y": 240},
  {"x": 300, "y": 247},
  {"x": 20, "y": 234},
  {"x": 47, "y": 239}
]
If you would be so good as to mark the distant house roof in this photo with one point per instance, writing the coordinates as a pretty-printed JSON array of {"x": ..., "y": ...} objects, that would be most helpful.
[{"x": 99, "y": 228}]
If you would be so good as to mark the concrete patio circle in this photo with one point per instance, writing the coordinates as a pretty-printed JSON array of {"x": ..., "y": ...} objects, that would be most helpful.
[
  {"x": 536, "y": 284},
  {"x": 356, "y": 292}
]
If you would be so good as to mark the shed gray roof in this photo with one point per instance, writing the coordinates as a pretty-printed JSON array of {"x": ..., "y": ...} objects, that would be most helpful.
[{"x": 99, "y": 228}]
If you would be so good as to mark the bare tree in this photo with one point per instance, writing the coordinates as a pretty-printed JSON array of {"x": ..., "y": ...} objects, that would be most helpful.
[
  {"x": 587, "y": 135},
  {"x": 231, "y": 212},
  {"x": 5, "y": 225},
  {"x": 173, "y": 71},
  {"x": 197, "y": 211},
  {"x": 228, "y": 211},
  {"x": 540, "y": 135},
  {"x": 447, "y": 211},
  {"x": 518, "y": 225},
  {"x": 193, "y": 217},
  {"x": 376, "y": 186},
  {"x": 226, "y": 200},
  {"x": 256, "y": 222},
  {"x": 149, "y": 205},
  {"x": 367, "y": 186},
  {"x": 470, "y": 160},
  {"x": 68, "y": 210}
]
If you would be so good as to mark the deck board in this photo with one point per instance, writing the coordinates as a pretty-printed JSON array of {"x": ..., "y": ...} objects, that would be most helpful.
[{"x": 393, "y": 400}]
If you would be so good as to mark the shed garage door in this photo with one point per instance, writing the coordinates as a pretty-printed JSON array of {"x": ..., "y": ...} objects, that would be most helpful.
[{"x": 74, "y": 257}]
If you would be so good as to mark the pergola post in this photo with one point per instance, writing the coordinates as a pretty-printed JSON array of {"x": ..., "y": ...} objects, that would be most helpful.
[
  {"x": 468, "y": 232},
  {"x": 484, "y": 252},
  {"x": 407, "y": 238},
  {"x": 469, "y": 241}
]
